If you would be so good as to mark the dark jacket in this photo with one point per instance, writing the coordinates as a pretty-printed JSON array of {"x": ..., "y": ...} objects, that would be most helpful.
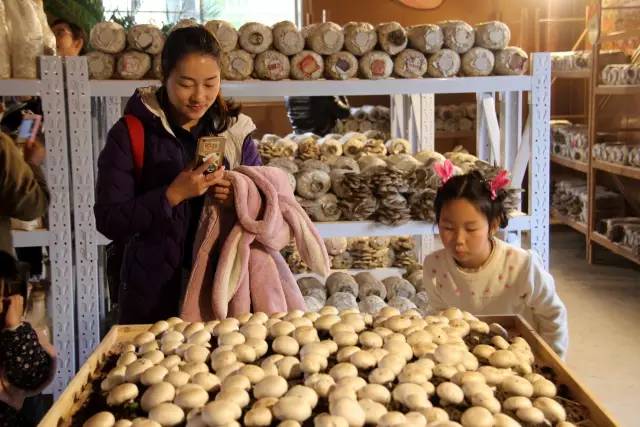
[
  {"x": 137, "y": 212},
  {"x": 317, "y": 114},
  {"x": 23, "y": 190}
]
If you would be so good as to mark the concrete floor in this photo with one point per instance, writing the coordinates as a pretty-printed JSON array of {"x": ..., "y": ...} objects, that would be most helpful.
[{"x": 603, "y": 301}]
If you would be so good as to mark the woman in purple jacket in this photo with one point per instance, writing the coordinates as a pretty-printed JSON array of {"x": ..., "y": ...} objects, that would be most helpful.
[{"x": 157, "y": 212}]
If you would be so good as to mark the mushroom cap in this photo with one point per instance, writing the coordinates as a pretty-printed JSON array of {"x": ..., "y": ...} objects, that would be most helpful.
[
  {"x": 343, "y": 370},
  {"x": 373, "y": 410},
  {"x": 257, "y": 417},
  {"x": 450, "y": 393},
  {"x": 270, "y": 386},
  {"x": 393, "y": 418},
  {"x": 157, "y": 394},
  {"x": 503, "y": 359},
  {"x": 206, "y": 380},
  {"x": 154, "y": 375},
  {"x": 121, "y": 394},
  {"x": 448, "y": 354},
  {"x": 363, "y": 360},
  {"x": 517, "y": 386},
  {"x": 326, "y": 420},
  {"x": 101, "y": 419},
  {"x": 348, "y": 409},
  {"x": 196, "y": 354},
  {"x": 552, "y": 410},
  {"x": 285, "y": 345},
  {"x": 544, "y": 388},
  {"x": 375, "y": 392},
  {"x": 237, "y": 381},
  {"x": 167, "y": 414},
  {"x": 477, "y": 417},
  {"x": 503, "y": 420},
  {"x": 305, "y": 393},
  {"x": 220, "y": 412},
  {"x": 292, "y": 408},
  {"x": 234, "y": 394},
  {"x": 381, "y": 376},
  {"x": 530, "y": 415}
]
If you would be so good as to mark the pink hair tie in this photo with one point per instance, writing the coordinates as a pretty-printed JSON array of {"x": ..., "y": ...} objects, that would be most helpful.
[
  {"x": 444, "y": 170},
  {"x": 498, "y": 183}
]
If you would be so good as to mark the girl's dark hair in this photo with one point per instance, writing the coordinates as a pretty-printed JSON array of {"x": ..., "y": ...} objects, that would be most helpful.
[
  {"x": 185, "y": 41},
  {"x": 474, "y": 188}
]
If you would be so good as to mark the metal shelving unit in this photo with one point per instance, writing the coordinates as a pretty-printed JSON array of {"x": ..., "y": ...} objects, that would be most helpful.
[
  {"x": 412, "y": 116},
  {"x": 58, "y": 238}
]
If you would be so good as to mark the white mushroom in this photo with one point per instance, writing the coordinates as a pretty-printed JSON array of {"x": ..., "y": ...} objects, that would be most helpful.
[
  {"x": 552, "y": 410},
  {"x": 220, "y": 412},
  {"x": 503, "y": 420},
  {"x": 450, "y": 394},
  {"x": 154, "y": 375},
  {"x": 101, "y": 419},
  {"x": 206, "y": 380},
  {"x": 121, "y": 394},
  {"x": 373, "y": 410},
  {"x": 349, "y": 410},
  {"x": 271, "y": 386},
  {"x": 258, "y": 417},
  {"x": 292, "y": 408},
  {"x": 237, "y": 395},
  {"x": 544, "y": 388},
  {"x": 177, "y": 378},
  {"x": 530, "y": 415},
  {"x": 477, "y": 417},
  {"x": 167, "y": 414},
  {"x": 326, "y": 420},
  {"x": 517, "y": 386}
]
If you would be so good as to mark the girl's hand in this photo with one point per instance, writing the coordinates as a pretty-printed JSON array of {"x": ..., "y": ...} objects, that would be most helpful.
[
  {"x": 223, "y": 192},
  {"x": 192, "y": 183}
]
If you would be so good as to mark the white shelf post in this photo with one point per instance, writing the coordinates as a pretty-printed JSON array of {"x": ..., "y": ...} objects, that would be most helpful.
[
  {"x": 87, "y": 295},
  {"x": 60, "y": 240}
]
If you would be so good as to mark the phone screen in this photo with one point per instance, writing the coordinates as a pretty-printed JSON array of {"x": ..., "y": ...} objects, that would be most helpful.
[{"x": 24, "y": 131}]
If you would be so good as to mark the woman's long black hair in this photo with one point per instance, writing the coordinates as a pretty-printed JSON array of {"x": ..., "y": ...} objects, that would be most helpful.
[
  {"x": 474, "y": 188},
  {"x": 184, "y": 41}
]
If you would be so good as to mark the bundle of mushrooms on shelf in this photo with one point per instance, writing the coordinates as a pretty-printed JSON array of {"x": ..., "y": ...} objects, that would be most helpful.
[
  {"x": 340, "y": 365},
  {"x": 621, "y": 153},
  {"x": 325, "y": 50},
  {"x": 622, "y": 230},
  {"x": 358, "y": 177},
  {"x": 569, "y": 140},
  {"x": 570, "y": 197}
]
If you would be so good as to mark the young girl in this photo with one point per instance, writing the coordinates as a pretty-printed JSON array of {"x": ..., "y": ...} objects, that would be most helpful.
[
  {"x": 480, "y": 273},
  {"x": 155, "y": 211}
]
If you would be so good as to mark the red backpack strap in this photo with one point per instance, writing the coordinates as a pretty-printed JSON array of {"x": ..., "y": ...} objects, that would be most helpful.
[{"x": 136, "y": 137}]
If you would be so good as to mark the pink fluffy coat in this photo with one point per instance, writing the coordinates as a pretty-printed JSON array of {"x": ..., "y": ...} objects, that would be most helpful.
[{"x": 251, "y": 275}]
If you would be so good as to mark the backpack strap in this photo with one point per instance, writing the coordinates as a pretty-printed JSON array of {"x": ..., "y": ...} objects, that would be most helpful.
[{"x": 136, "y": 137}]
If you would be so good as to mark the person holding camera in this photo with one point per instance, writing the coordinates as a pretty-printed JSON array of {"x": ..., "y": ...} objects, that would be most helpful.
[
  {"x": 27, "y": 359},
  {"x": 23, "y": 189}
]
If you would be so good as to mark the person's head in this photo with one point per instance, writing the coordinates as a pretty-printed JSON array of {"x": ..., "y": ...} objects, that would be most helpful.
[
  {"x": 468, "y": 216},
  {"x": 191, "y": 75},
  {"x": 70, "y": 38},
  {"x": 13, "y": 280}
]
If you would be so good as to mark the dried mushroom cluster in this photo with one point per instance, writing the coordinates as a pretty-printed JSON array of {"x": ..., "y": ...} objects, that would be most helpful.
[
  {"x": 622, "y": 230},
  {"x": 570, "y": 140},
  {"x": 622, "y": 153},
  {"x": 122, "y": 54},
  {"x": 357, "y": 177},
  {"x": 570, "y": 198},
  {"x": 455, "y": 117},
  {"x": 324, "y": 50},
  {"x": 362, "y": 253},
  {"x": 330, "y": 368},
  {"x": 366, "y": 118},
  {"x": 365, "y": 292}
]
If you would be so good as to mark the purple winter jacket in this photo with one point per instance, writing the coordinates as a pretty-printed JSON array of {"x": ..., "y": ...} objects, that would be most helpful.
[{"x": 137, "y": 211}]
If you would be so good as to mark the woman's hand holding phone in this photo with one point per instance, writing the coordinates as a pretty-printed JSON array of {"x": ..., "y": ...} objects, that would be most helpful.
[{"x": 193, "y": 183}]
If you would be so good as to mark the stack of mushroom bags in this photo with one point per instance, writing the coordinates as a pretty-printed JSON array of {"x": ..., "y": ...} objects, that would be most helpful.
[
  {"x": 331, "y": 368},
  {"x": 365, "y": 292},
  {"x": 122, "y": 54},
  {"x": 622, "y": 153},
  {"x": 365, "y": 118}
]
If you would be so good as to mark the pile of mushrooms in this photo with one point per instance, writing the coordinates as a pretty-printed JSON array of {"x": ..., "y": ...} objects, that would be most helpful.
[
  {"x": 359, "y": 177},
  {"x": 331, "y": 368}
]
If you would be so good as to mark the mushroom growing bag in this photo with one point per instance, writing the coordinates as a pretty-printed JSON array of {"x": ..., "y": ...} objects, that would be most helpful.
[{"x": 25, "y": 46}]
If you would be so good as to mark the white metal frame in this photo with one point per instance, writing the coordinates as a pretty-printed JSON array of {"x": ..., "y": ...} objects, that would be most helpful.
[
  {"x": 412, "y": 115},
  {"x": 50, "y": 88}
]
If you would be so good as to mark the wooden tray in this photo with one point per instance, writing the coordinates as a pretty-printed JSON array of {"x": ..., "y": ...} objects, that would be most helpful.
[{"x": 76, "y": 392}]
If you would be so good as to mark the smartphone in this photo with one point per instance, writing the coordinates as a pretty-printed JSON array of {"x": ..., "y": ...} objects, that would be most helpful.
[
  {"x": 210, "y": 147},
  {"x": 28, "y": 129}
]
